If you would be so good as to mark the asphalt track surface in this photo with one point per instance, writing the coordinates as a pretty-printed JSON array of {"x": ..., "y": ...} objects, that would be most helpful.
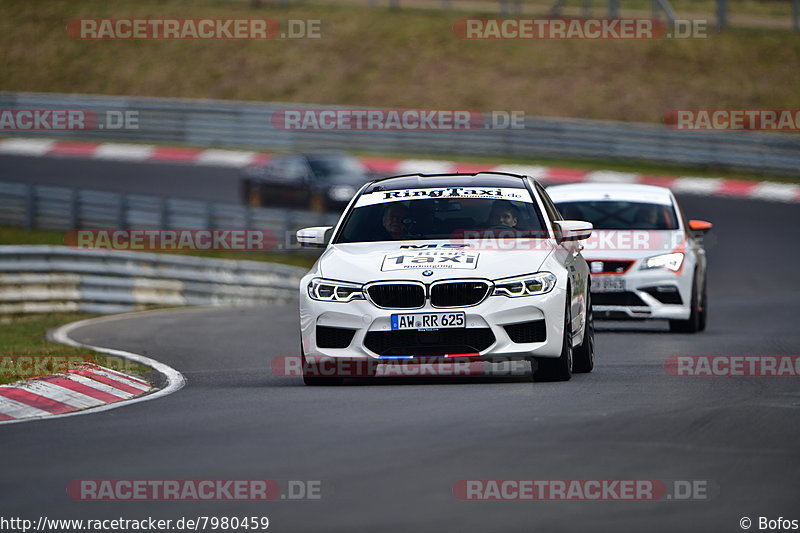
[{"x": 388, "y": 453}]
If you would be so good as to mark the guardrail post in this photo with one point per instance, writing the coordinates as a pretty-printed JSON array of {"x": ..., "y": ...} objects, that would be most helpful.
[
  {"x": 248, "y": 217},
  {"x": 613, "y": 9},
  {"x": 30, "y": 207},
  {"x": 123, "y": 206},
  {"x": 208, "y": 215},
  {"x": 73, "y": 209},
  {"x": 163, "y": 213},
  {"x": 722, "y": 14}
]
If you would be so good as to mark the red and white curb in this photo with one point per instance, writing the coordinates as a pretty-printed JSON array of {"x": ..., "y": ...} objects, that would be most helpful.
[
  {"x": 86, "y": 389},
  {"x": 761, "y": 190},
  {"x": 80, "y": 388}
]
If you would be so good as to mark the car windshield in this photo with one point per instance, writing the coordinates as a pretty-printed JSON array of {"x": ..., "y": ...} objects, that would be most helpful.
[
  {"x": 328, "y": 166},
  {"x": 621, "y": 215},
  {"x": 461, "y": 217}
]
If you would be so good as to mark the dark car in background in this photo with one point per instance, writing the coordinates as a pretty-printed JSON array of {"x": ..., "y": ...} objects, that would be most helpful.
[{"x": 320, "y": 181}]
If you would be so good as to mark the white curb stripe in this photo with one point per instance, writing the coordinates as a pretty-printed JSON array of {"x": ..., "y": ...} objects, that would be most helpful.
[
  {"x": 60, "y": 394},
  {"x": 610, "y": 176},
  {"x": 124, "y": 152},
  {"x": 427, "y": 166},
  {"x": 99, "y": 386},
  {"x": 691, "y": 185},
  {"x": 17, "y": 409},
  {"x": 769, "y": 190},
  {"x": 534, "y": 171},
  {"x": 226, "y": 158},
  {"x": 36, "y": 147}
]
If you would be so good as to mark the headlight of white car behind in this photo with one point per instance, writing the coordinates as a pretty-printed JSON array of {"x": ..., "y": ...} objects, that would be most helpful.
[
  {"x": 327, "y": 290},
  {"x": 527, "y": 285},
  {"x": 671, "y": 261}
]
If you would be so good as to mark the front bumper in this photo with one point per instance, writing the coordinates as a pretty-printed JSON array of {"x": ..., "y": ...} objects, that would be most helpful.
[
  {"x": 649, "y": 294},
  {"x": 493, "y": 313}
]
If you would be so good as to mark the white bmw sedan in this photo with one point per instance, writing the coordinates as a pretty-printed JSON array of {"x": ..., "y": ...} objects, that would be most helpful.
[
  {"x": 457, "y": 266},
  {"x": 646, "y": 260}
]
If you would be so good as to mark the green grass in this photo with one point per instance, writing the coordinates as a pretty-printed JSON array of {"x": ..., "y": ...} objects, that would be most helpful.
[
  {"x": 408, "y": 59},
  {"x": 26, "y": 353}
]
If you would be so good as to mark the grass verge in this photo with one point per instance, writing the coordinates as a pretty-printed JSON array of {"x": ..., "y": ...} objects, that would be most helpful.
[
  {"x": 406, "y": 58},
  {"x": 26, "y": 353}
]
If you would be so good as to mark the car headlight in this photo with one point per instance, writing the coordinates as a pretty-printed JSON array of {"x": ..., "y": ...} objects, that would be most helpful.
[
  {"x": 341, "y": 193},
  {"x": 327, "y": 290},
  {"x": 527, "y": 285},
  {"x": 672, "y": 261}
]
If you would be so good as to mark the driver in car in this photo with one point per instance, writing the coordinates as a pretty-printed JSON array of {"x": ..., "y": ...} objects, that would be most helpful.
[
  {"x": 504, "y": 214},
  {"x": 393, "y": 219}
]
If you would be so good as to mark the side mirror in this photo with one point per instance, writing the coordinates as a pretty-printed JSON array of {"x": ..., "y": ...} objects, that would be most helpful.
[
  {"x": 316, "y": 237},
  {"x": 572, "y": 230},
  {"x": 700, "y": 225}
]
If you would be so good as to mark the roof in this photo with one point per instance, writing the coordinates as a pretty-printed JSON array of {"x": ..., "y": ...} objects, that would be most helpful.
[
  {"x": 421, "y": 181},
  {"x": 610, "y": 192}
]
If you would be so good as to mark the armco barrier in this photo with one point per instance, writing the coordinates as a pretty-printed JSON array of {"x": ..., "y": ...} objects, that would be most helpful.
[
  {"x": 43, "y": 279},
  {"x": 234, "y": 124},
  {"x": 65, "y": 208}
]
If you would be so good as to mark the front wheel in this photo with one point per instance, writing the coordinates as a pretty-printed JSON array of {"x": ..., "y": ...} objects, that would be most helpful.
[
  {"x": 560, "y": 368},
  {"x": 696, "y": 321},
  {"x": 583, "y": 355}
]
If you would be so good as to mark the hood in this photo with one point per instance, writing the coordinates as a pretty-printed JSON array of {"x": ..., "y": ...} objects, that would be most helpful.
[
  {"x": 372, "y": 261},
  {"x": 630, "y": 244}
]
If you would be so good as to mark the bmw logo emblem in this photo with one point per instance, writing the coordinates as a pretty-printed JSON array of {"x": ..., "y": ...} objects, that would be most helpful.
[{"x": 427, "y": 272}]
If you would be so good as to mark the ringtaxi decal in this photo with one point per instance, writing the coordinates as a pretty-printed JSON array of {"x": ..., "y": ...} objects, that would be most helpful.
[
  {"x": 495, "y": 193},
  {"x": 430, "y": 260}
]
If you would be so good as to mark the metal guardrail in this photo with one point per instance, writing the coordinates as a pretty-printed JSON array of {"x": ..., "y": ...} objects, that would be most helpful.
[
  {"x": 65, "y": 208},
  {"x": 248, "y": 125},
  {"x": 43, "y": 279}
]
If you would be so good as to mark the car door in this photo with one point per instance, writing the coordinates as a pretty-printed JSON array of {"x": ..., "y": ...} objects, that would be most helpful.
[{"x": 573, "y": 261}]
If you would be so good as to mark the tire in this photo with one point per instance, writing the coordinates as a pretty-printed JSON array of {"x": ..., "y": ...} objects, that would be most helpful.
[
  {"x": 559, "y": 368},
  {"x": 317, "y": 381},
  {"x": 693, "y": 324},
  {"x": 703, "y": 307},
  {"x": 583, "y": 355},
  {"x": 253, "y": 195}
]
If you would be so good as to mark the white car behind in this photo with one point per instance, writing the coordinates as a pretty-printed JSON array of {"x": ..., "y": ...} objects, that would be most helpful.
[{"x": 646, "y": 260}]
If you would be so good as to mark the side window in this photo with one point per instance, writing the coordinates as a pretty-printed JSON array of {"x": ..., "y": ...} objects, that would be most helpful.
[{"x": 552, "y": 212}]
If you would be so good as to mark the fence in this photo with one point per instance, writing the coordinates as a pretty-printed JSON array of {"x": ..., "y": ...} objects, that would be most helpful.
[
  {"x": 248, "y": 125},
  {"x": 65, "y": 208},
  {"x": 43, "y": 279}
]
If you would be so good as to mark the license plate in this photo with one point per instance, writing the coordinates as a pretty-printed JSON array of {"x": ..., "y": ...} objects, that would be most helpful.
[
  {"x": 429, "y": 321},
  {"x": 608, "y": 284}
]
